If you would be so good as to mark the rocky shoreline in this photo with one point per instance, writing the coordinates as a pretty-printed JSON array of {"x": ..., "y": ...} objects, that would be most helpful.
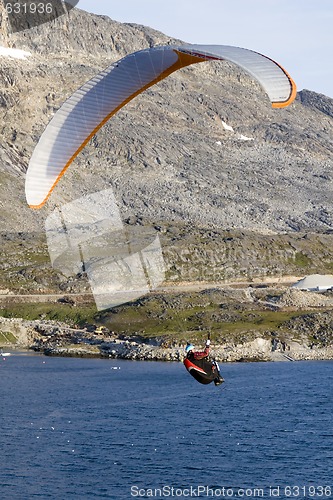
[
  {"x": 57, "y": 339},
  {"x": 245, "y": 353}
]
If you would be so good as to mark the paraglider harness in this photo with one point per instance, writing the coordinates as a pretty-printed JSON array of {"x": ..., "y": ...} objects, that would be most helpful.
[{"x": 202, "y": 369}]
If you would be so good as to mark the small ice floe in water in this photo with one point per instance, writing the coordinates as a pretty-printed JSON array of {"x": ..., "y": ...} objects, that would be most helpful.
[
  {"x": 5, "y": 355},
  {"x": 115, "y": 367}
]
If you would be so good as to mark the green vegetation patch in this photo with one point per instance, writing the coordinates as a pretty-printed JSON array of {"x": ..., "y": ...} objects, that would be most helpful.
[
  {"x": 302, "y": 261},
  {"x": 191, "y": 255},
  {"x": 227, "y": 314},
  {"x": 7, "y": 338},
  {"x": 161, "y": 317},
  {"x": 65, "y": 313}
]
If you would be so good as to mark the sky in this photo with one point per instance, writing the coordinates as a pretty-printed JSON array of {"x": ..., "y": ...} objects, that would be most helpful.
[{"x": 298, "y": 34}]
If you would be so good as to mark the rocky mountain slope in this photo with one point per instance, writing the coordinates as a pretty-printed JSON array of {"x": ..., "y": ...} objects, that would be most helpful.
[
  {"x": 168, "y": 155},
  {"x": 201, "y": 157}
]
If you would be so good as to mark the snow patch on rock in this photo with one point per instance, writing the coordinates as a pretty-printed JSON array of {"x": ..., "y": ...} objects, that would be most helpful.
[
  {"x": 227, "y": 127},
  {"x": 240, "y": 137},
  {"x": 14, "y": 53}
]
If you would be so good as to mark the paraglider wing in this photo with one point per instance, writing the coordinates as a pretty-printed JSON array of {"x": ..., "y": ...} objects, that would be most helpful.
[{"x": 90, "y": 107}]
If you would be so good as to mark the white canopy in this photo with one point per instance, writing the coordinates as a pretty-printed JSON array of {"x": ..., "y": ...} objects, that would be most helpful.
[{"x": 91, "y": 106}]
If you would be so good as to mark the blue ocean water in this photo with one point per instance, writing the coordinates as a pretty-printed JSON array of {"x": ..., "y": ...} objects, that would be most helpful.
[{"x": 91, "y": 428}]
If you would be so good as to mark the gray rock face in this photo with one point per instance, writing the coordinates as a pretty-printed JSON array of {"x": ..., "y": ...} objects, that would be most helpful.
[{"x": 168, "y": 154}]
